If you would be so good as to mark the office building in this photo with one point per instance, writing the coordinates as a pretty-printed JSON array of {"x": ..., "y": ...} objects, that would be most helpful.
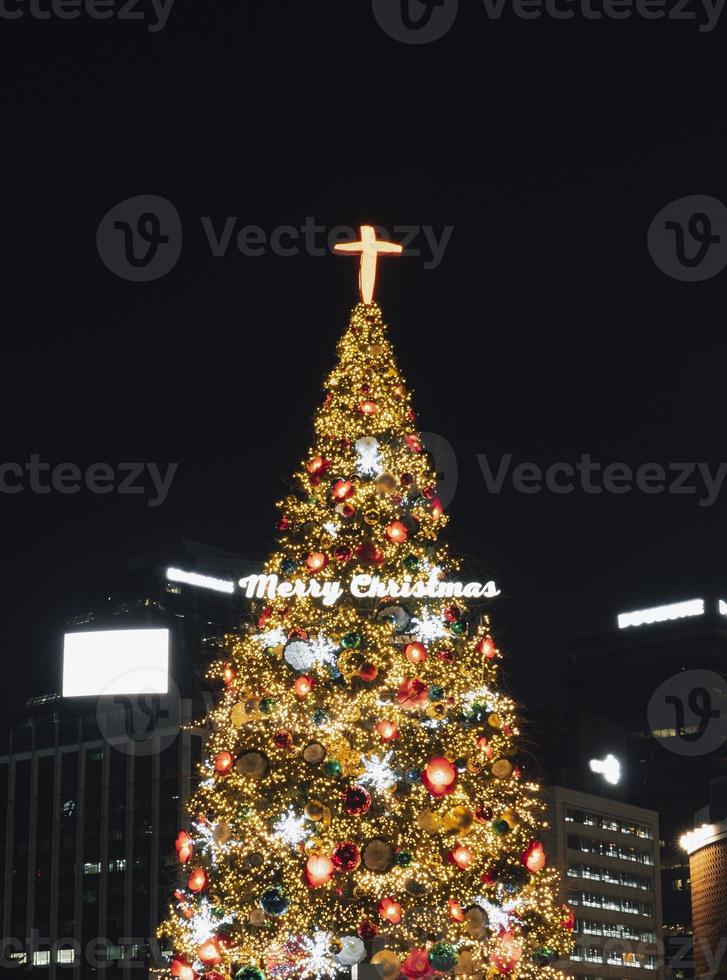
[
  {"x": 93, "y": 784},
  {"x": 660, "y": 673},
  {"x": 607, "y": 852}
]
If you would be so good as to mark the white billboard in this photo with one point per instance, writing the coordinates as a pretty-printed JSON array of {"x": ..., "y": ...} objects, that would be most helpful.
[{"x": 107, "y": 662}]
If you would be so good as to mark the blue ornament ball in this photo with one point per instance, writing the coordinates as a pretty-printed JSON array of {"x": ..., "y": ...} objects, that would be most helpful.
[{"x": 274, "y": 901}]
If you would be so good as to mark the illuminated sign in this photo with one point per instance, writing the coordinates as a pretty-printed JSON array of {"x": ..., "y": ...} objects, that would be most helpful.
[
  {"x": 361, "y": 587},
  {"x": 662, "y": 614},
  {"x": 108, "y": 662},
  {"x": 202, "y": 581},
  {"x": 609, "y": 768},
  {"x": 364, "y": 587},
  {"x": 695, "y": 839}
]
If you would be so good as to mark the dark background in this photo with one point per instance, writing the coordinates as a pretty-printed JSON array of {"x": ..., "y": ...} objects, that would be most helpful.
[{"x": 546, "y": 332}]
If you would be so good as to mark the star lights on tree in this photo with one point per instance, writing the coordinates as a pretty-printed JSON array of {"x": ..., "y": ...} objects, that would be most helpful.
[
  {"x": 377, "y": 772},
  {"x": 291, "y": 828},
  {"x": 427, "y": 627}
]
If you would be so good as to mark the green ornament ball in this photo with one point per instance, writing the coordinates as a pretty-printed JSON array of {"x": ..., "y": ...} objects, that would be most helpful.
[
  {"x": 351, "y": 640},
  {"x": 443, "y": 957},
  {"x": 411, "y": 563},
  {"x": 332, "y": 767},
  {"x": 501, "y": 827},
  {"x": 250, "y": 973},
  {"x": 403, "y": 859},
  {"x": 436, "y": 693},
  {"x": 459, "y": 627},
  {"x": 268, "y": 705},
  {"x": 541, "y": 957}
]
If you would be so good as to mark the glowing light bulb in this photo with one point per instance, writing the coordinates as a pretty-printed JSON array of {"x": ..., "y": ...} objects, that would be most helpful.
[
  {"x": 319, "y": 870},
  {"x": 198, "y": 880},
  {"x": 387, "y": 730},
  {"x": 396, "y": 532},
  {"x": 184, "y": 846},
  {"x": 303, "y": 686},
  {"x": 533, "y": 857},
  {"x": 461, "y": 856},
  {"x": 440, "y": 776},
  {"x": 415, "y": 653},
  {"x": 223, "y": 762},
  {"x": 390, "y": 910},
  {"x": 487, "y": 647},
  {"x": 209, "y": 953},
  {"x": 342, "y": 490},
  {"x": 316, "y": 560}
]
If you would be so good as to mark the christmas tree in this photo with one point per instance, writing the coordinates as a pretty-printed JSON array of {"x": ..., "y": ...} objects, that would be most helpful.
[{"x": 363, "y": 797}]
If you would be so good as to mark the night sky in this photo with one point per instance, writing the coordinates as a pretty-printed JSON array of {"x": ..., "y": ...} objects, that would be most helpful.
[{"x": 547, "y": 331}]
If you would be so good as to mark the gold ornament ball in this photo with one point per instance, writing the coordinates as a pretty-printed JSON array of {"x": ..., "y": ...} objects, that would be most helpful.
[
  {"x": 335, "y": 945},
  {"x": 465, "y": 964},
  {"x": 429, "y": 822},
  {"x": 501, "y": 769},
  {"x": 510, "y": 817},
  {"x": 388, "y": 963},
  {"x": 314, "y": 810},
  {"x": 256, "y": 917},
  {"x": 458, "y": 818},
  {"x": 239, "y": 715},
  {"x": 221, "y": 832}
]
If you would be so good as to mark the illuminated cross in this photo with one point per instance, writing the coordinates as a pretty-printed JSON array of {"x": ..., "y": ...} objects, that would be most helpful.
[{"x": 369, "y": 248}]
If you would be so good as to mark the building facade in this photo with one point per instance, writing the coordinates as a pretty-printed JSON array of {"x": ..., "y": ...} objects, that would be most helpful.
[
  {"x": 88, "y": 815},
  {"x": 707, "y": 850},
  {"x": 662, "y": 674},
  {"x": 607, "y": 852},
  {"x": 93, "y": 789}
]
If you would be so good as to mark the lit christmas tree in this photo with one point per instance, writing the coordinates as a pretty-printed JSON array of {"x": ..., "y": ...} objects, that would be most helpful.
[{"x": 362, "y": 799}]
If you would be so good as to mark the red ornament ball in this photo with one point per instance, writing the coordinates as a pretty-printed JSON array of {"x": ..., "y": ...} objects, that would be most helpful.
[
  {"x": 368, "y": 671},
  {"x": 367, "y": 929},
  {"x": 282, "y": 739},
  {"x": 346, "y": 856},
  {"x": 343, "y": 553},
  {"x": 356, "y": 801}
]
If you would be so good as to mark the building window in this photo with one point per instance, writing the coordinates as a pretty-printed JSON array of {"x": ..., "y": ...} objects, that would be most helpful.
[{"x": 41, "y": 957}]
